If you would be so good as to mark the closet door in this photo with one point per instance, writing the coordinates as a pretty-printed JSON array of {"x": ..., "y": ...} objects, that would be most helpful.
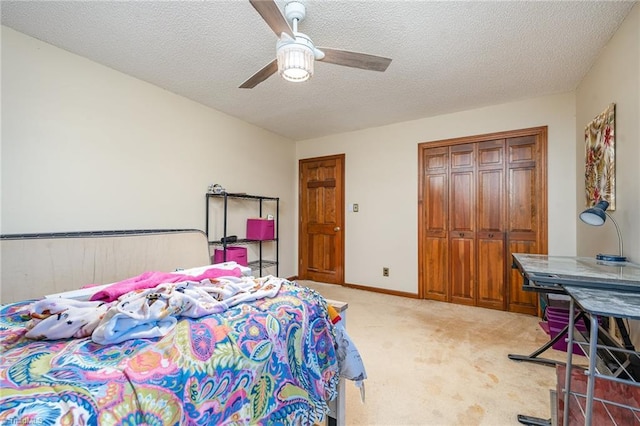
[
  {"x": 482, "y": 198},
  {"x": 462, "y": 238},
  {"x": 524, "y": 213},
  {"x": 490, "y": 208},
  {"x": 435, "y": 266}
]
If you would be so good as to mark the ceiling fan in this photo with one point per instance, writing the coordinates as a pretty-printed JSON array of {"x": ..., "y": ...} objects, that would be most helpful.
[{"x": 296, "y": 53}]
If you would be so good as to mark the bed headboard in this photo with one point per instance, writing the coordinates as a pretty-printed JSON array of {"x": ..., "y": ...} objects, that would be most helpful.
[{"x": 37, "y": 264}]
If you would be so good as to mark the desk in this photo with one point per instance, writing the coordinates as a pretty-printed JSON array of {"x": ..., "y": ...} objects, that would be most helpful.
[
  {"x": 597, "y": 302},
  {"x": 597, "y": 288},
  {"x": 554, "y": 272}
]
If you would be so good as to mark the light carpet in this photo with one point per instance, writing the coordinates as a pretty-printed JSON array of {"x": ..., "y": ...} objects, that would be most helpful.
[{"x": 436, "y": 363}]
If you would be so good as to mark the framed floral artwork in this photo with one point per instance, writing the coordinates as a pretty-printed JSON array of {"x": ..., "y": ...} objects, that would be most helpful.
[{"x": 600, "y": 160}]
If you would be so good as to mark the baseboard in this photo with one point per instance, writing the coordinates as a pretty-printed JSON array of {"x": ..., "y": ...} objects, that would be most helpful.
[
  {"x": 382, "y": 290},
  {"x": 372, "y": 289}
]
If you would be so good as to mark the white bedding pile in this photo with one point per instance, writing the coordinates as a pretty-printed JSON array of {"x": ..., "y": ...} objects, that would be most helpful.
[{"x": 144, "y": 314}]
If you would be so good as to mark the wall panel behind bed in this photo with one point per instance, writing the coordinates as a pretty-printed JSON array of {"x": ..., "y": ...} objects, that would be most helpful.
[{"x": 36, "y": 265}]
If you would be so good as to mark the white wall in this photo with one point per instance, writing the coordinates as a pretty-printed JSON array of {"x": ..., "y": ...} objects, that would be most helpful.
[
  {"x": 615, "y": 77},
  {"x": 85, "y": 147},
  {"x": 382, "y": 177}
]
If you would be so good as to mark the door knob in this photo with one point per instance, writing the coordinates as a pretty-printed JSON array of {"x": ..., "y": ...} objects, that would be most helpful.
[{"x": 337, "y": 228}]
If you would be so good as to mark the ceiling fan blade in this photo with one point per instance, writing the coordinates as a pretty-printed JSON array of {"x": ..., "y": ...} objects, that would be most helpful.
[
  {"x": 355, "y": 59},
  {"x": 261, "y": 75},
  {"x": 271, "y": 14}
]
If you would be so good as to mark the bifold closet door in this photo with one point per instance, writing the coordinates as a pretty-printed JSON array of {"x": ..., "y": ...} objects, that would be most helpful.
[
  {"x": 464, "y": 217},
  {"x": 481, "y": 200},
  {"x": 525, "y": 213},
  {"x": 462, "y": 235},
  {"x": 435, "y": 199},
  {"x": 491, "y": 213}
]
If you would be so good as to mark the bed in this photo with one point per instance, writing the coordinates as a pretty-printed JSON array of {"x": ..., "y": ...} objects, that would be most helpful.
[{"x": 271, "y": 360}]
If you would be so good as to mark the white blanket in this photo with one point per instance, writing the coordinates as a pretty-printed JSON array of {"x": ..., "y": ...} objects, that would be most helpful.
[
  {"x": 148, "y": 313},
  {"x": 53, "y": 319}
]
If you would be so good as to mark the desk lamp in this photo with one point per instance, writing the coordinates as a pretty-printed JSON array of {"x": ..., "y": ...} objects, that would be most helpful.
[{"x": 596, "y": 216}]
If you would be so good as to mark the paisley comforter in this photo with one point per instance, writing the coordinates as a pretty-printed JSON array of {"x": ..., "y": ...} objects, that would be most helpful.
[{"x": 270, "y": 361}]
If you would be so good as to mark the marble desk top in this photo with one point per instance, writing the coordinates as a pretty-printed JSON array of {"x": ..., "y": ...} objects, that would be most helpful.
[
  {"x": 611, "y": 303},
  {"x": 579, "y": 271}
]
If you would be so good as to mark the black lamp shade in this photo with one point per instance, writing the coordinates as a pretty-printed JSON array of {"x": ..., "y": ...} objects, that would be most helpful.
[{"x": 595, "y": 215}]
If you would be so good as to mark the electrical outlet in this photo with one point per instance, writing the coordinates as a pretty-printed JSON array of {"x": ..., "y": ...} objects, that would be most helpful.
[
  {"x": 385, "y": 272},
  {"x": 355, "y": 208}
]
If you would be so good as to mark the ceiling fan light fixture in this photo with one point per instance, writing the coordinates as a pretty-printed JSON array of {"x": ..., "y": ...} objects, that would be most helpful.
[
  {"x": 295, "y": 52},
  {"x": 295, "y": 62}
]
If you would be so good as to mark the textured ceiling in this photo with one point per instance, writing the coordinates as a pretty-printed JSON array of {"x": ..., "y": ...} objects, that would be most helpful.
[{"x": 447, "y": 56}]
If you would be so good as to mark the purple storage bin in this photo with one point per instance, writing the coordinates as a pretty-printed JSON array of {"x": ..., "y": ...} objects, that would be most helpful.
[
  {"x": 557, "y": 311},
  {"x": 561, "y": 344},
  {"x": 560, "y": 317},
  {"x": 237, "y": 254},
  {"x": 559, "y": 321},
  {"x": 260, "y": 229}
]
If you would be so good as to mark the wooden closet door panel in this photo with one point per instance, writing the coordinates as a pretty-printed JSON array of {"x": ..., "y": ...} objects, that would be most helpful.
[
  {"x": 491, "y": 186},
  {"x": 461, "y": 188},
  {"x": 462, "y": 250},
  {"x": 522, "y": 209},
  {"x": 490, "y": 224},
  {"x": 435, "y": 189},
  {"x": 524, "y": 302},
  {"x": 491, "y": 273},
  {"x": 462, "y": 157},
  {"x": 461, "y": 205},
  {"x": 523, "y": 215},
  {"x": 462, "y": 272},
  {"x": 436, "y": 269},
  {"x": 435, "y": 266}
]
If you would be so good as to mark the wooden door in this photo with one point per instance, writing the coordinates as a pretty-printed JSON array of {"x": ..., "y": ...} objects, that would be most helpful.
[
  {"x": 526, "y": 212},
  {"x": 490, "y": 210},
  {"x": 462, "y": 238},
  {"x": 321, "y": 232},
  {"x": 435, "y": 271},
  {"x": 481, "y": 198}
]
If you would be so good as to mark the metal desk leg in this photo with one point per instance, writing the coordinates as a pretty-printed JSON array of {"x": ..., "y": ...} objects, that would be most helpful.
[
  {"x": 591, "y": 374},
  {"x": 533, "y": 357},
  {"x": 534, "y": 421},
  {"x": 569, "y": 329},
  {"x": 567, "y": 377}
]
